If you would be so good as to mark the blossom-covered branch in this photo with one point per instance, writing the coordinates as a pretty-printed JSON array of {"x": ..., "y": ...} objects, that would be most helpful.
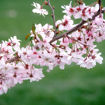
[
  {"x": 60, "y": 44},
  {"x": 77, "y": 26}
]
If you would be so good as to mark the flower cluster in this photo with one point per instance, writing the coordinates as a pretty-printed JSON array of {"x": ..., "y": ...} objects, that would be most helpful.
[
  {"x": 14, "y": 69},
  {"x": 26, "y": 63},
  {"x": 82, "y": 11}
]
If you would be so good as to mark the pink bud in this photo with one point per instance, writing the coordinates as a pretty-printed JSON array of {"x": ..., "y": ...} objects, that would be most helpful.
[{"x": 65, "y": 40}]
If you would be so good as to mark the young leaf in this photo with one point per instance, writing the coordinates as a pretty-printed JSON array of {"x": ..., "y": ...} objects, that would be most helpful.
[
  {"x": 33, "y": 29},
  {"x": 40, "y": 37},
  {"x": 27, "y": 36},
  {"x": 70, "y": 45},
  {"x": 58, "y": 42}
]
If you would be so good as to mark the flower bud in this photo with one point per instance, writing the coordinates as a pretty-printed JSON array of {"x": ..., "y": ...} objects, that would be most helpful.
[{"x": 46, "y": 2}]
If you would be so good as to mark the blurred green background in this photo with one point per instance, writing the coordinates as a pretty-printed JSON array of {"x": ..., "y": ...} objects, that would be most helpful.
[{"x": 72, "y": 86}]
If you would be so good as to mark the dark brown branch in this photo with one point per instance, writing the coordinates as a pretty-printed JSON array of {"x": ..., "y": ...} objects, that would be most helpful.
[
  {"x": 53, "y": 16},
  {"x": 100, "y": 5},
  {"x": 76, "y": 27},
  {"x": 99, "y": 2},
  {"x": 15, "y": 59}
]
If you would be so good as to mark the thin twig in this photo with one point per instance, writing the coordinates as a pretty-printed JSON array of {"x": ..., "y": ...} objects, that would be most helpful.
[{"x": 53, "y": 17}]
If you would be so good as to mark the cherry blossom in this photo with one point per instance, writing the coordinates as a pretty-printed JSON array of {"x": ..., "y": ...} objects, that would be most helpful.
[{"x": 39, "y": 10}]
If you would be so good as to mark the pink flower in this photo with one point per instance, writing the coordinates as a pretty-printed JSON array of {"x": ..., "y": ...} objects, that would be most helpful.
[{"x": 39, "y": 10}]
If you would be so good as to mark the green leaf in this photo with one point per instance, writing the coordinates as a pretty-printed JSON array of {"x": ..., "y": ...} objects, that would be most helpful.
[
  {"x": 85, "y": 55},
  {"x": 70, "y": 45},
  {"x": 58, "y": 42},
  {"x": 27, "y": 36},
  {"x": 57, "y": 49},
  {"x": 40, "y": 37},
  {"x": 33, "y": 29}
]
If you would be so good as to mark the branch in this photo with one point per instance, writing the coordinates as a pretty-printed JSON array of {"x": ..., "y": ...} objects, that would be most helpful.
[
  {"x": 99, "y": 2},
  {"x": 100, "y": 5},
  {"x": 14, "y": 59},
  {"x": 76, "y": 27},
  {"x": 53, "y": 16}
]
